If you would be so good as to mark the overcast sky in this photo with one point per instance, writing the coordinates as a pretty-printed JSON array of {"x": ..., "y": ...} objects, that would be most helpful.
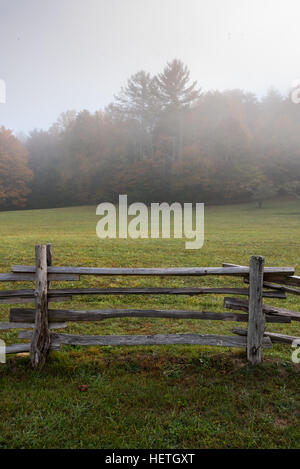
[{"x": 75, "y": 54}]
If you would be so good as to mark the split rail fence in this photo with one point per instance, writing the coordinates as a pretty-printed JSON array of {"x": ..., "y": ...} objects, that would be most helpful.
[{"x": 261, "y": 282}]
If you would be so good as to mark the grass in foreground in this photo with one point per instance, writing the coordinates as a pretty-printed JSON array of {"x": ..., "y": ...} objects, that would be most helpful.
[{"x": 152, "y": 397}]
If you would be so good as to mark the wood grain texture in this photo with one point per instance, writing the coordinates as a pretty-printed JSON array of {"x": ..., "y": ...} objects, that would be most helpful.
[
  {"x": 176, "y": 271},
  {"x": 56, "y": 293},
  {"x": 40, "y": 343},
  {"x": 160, "y": 339},
  {"x": 57, "y": 315},
  {"x": 160, "y": 291},
  {"x": 256, "y": 316}
]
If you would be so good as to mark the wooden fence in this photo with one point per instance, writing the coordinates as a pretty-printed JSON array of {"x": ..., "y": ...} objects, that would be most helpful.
[{"x": 261, "y": 282}]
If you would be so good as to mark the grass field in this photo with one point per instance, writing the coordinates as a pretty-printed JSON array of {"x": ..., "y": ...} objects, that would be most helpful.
[{"x": 152, "y": 397}]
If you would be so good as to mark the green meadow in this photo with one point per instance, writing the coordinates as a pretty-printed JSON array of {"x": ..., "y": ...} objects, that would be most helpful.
[{"x": 152, "y": 397}]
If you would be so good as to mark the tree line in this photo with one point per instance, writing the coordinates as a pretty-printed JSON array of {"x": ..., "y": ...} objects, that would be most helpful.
[{"x": 161, "y": 139}]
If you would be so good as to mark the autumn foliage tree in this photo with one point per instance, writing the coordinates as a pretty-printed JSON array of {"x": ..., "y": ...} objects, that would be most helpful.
[
  {"x": 161, "y": 139},
  {"x": 14, "y": 172}
]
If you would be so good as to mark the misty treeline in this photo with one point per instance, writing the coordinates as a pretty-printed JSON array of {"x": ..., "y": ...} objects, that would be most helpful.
[{"x": 162, "y": 139}]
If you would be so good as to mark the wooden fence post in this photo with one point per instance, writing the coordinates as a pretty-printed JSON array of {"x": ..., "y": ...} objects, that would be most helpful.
[
  {"x": 40, "y": 343},
  {"x": 256, "y": 319},
  {"x": 49, "y": 259}
]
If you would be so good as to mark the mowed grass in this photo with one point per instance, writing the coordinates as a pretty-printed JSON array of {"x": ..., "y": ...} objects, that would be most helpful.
[{"x": 152, "y": 397}]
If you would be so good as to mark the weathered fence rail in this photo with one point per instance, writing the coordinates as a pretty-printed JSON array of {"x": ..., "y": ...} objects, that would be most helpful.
[
  {"x": 56, "y": 315},
  {"x": 177, "y": 271},
  {"x": 263, "y": 282},
  {"x": 159, "y": 339},
  {"x": 70, "y": 292}
]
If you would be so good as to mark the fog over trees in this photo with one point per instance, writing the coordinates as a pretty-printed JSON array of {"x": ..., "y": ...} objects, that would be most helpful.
[{"x": 161, "y": 139}]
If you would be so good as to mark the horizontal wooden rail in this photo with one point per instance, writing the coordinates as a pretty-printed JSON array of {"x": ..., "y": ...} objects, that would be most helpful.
[
  {"x": 178, "y": 271},
  {"x": 159, "y": 339},
  {"x": 17, "y": 348},
  {"x": 30, "y": 277},
  {"x": 23, "y": 300},
  {"x": 283, "y": 288},
  {"x": 242, "y": 305},
  {"x": 23, "y": 348},
  {"x": 293, "y": 280},
  {"x": 56, "y": 315},
  {"x": 280, "y": 286},
  {"x": 29, "y": 325},
  {"x": 29, "y": 293},
  {"x": 275, "y": 337},
  {"x": 66, "y": 292},
  {"x": 162, "y": 291}
]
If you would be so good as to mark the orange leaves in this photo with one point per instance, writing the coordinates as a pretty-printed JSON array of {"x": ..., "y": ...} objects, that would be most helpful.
[{"x": 15, "y": 174}]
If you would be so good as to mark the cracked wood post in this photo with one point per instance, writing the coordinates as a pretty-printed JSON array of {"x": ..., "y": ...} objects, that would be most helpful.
[
  {"x": 40, "y": 343},
  {"x": 256, "y": 319}
]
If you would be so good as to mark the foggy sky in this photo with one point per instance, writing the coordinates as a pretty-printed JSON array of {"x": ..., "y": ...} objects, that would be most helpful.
[{"x": 76, "y": 54}]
